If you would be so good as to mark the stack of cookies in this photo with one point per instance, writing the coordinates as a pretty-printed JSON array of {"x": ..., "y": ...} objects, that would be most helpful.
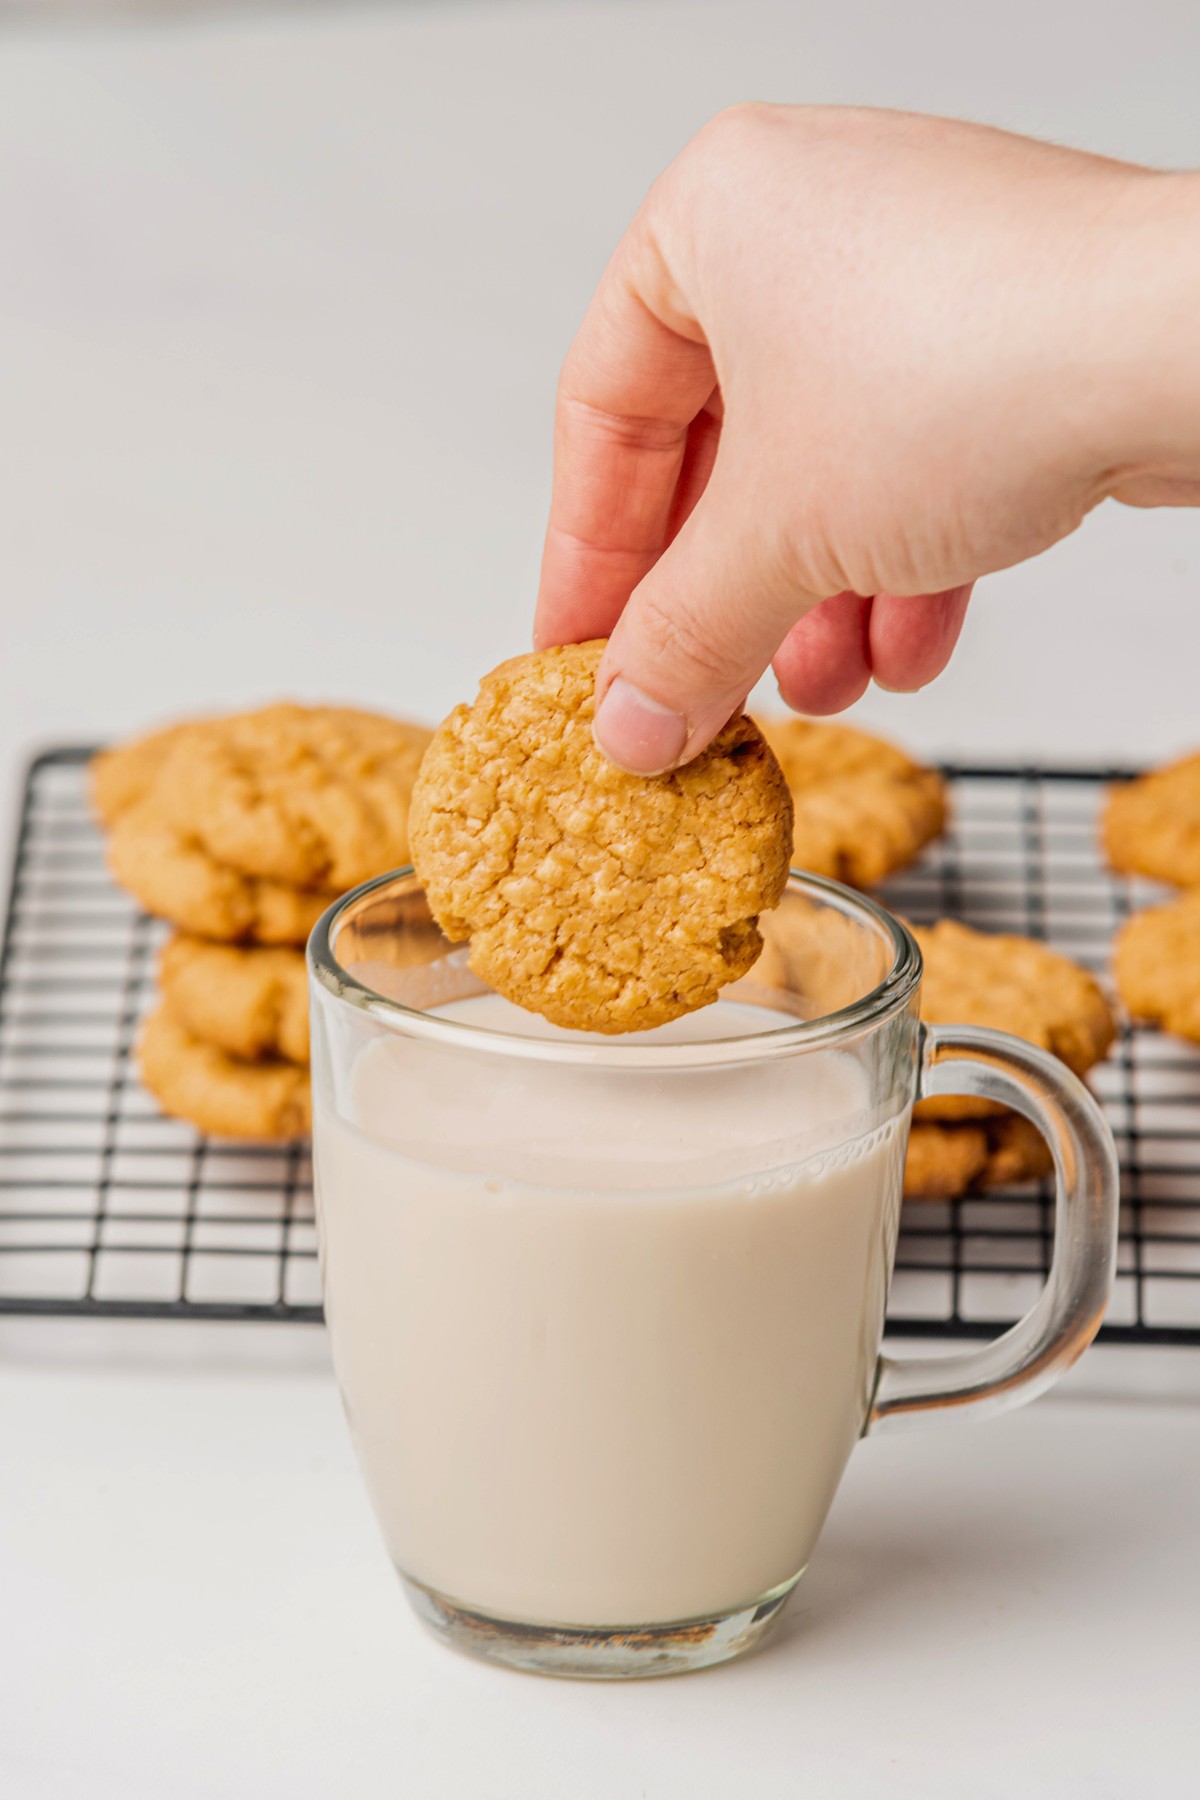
[
  {"x": 240, "y": 831},
  {"x": 960, "y": 1144},
  {"x": 1151, "y": 827},
  {"x": 863, "y": 811}
]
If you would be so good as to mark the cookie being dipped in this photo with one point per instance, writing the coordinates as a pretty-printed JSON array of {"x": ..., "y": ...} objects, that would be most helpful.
[{"x": 604, "y": 901}]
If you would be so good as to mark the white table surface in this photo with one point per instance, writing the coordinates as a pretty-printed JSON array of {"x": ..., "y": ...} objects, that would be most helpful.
[{"x": 282, "y": 299}]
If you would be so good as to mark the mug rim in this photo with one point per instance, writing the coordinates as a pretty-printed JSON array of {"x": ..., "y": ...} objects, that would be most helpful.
[{"x": 883, "y": 1001}]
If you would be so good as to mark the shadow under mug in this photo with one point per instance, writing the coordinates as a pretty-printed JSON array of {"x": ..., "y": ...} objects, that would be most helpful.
[{"x": 606, "y": 1313}]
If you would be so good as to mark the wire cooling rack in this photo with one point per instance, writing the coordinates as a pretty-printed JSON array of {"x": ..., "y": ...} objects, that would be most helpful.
[{"x": 106, "y": 1207}]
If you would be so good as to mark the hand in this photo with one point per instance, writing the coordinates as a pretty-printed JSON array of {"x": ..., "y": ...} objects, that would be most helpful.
[{"x": 842, "y": 364}]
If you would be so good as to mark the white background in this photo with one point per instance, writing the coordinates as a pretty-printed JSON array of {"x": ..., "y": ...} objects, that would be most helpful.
[{"x": 282, "y": 301}]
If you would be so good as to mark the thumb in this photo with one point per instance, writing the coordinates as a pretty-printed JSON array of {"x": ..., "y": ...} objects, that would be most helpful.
[{"x": 697, "y": 633}]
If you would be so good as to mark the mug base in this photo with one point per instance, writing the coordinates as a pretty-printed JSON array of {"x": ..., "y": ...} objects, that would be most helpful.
[{"x": 603, "y": 1652}]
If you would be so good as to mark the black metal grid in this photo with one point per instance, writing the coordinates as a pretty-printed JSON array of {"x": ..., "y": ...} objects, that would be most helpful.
[{"x": 106, "y": 1207}]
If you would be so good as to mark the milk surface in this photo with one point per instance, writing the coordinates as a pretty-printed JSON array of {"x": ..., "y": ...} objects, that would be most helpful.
[{"x": 605, "y": 1340}]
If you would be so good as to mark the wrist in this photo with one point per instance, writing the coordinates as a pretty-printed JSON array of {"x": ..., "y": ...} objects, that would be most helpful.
[{"x": 1144, "y": 338}]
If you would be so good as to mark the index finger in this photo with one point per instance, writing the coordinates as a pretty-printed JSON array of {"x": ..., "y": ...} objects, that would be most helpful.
[{"x": 630, "y": 388}]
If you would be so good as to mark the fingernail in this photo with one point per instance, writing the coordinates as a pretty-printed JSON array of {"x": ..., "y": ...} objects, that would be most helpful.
[{"x": 640, "y": 735}]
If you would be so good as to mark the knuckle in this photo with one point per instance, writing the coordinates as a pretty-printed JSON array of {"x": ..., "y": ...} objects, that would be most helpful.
[
  {"x": 624, "y": 431},
  {"x": 740, "y": 123},
  {"x": 800, "y": 556},
  {"x": 716, "y": 156}
]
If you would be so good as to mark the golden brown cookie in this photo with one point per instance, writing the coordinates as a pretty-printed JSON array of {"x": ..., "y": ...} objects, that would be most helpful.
[
  {"x": 170, "y": 875},
  {"x": 943, "y": 1160},
  {"x": 1007, "y": 983},
  {"x": 312, "y": 796},
  {"x": 122, "y": 777},
  {"x": 1152, "y": 826},
  {"x": 1012, "y": 984},
  {"x": 251, "y": 1002},
  {"x": 210, "y": 1089},
  {"x": 946, "y": 1161},
  {"x": 863, "y": 809},
  {"x": 604, "y": 901},
  {"x": 1156, "y": 961},
  {"x": 816, "y": 958}
]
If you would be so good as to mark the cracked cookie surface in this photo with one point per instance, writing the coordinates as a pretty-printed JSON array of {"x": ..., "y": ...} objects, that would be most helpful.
[
  {"x": 252, "y": 1002},
  {"x": 1012, "y": 984},
  {"x": 311, "y": 796},
  {"x": 212, "y": 1090},
  {"x": 1156, "y": 963},
  {"x": 604, "y": 901},
  {"x": 1151, "y": 826},
  {"x": 863, "y": 808}
]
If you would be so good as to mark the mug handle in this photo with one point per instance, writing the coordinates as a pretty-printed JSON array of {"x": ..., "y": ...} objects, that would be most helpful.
[{"x": 1025, "y": 1361}]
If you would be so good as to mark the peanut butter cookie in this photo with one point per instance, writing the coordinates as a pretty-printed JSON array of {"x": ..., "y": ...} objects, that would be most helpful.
[
  {"x": 171, "y": 875},
  {"x": 313, "y": 796},
  {"x": 210, "y": 1089},
  {"x": 251, "y": 1002},
  {"x": 1012, "y": 984},
  {"x": 1152, "y": 826},
  {"x": 863, "y": 809},
  {"x": 1156, "y": 961},
  {"x": 604, "y": 901},
  {"x": 947, "y": 1161},
  {"x": 1007, "y": 983},
  {"x": 122, "y": 777}
]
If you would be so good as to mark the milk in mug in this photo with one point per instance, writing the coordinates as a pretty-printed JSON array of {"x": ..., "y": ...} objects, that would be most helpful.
[{"x": 605, "y": 1339}]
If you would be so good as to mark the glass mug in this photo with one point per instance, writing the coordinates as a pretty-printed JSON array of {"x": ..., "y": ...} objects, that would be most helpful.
[{"x": 606, "y": 1312}]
